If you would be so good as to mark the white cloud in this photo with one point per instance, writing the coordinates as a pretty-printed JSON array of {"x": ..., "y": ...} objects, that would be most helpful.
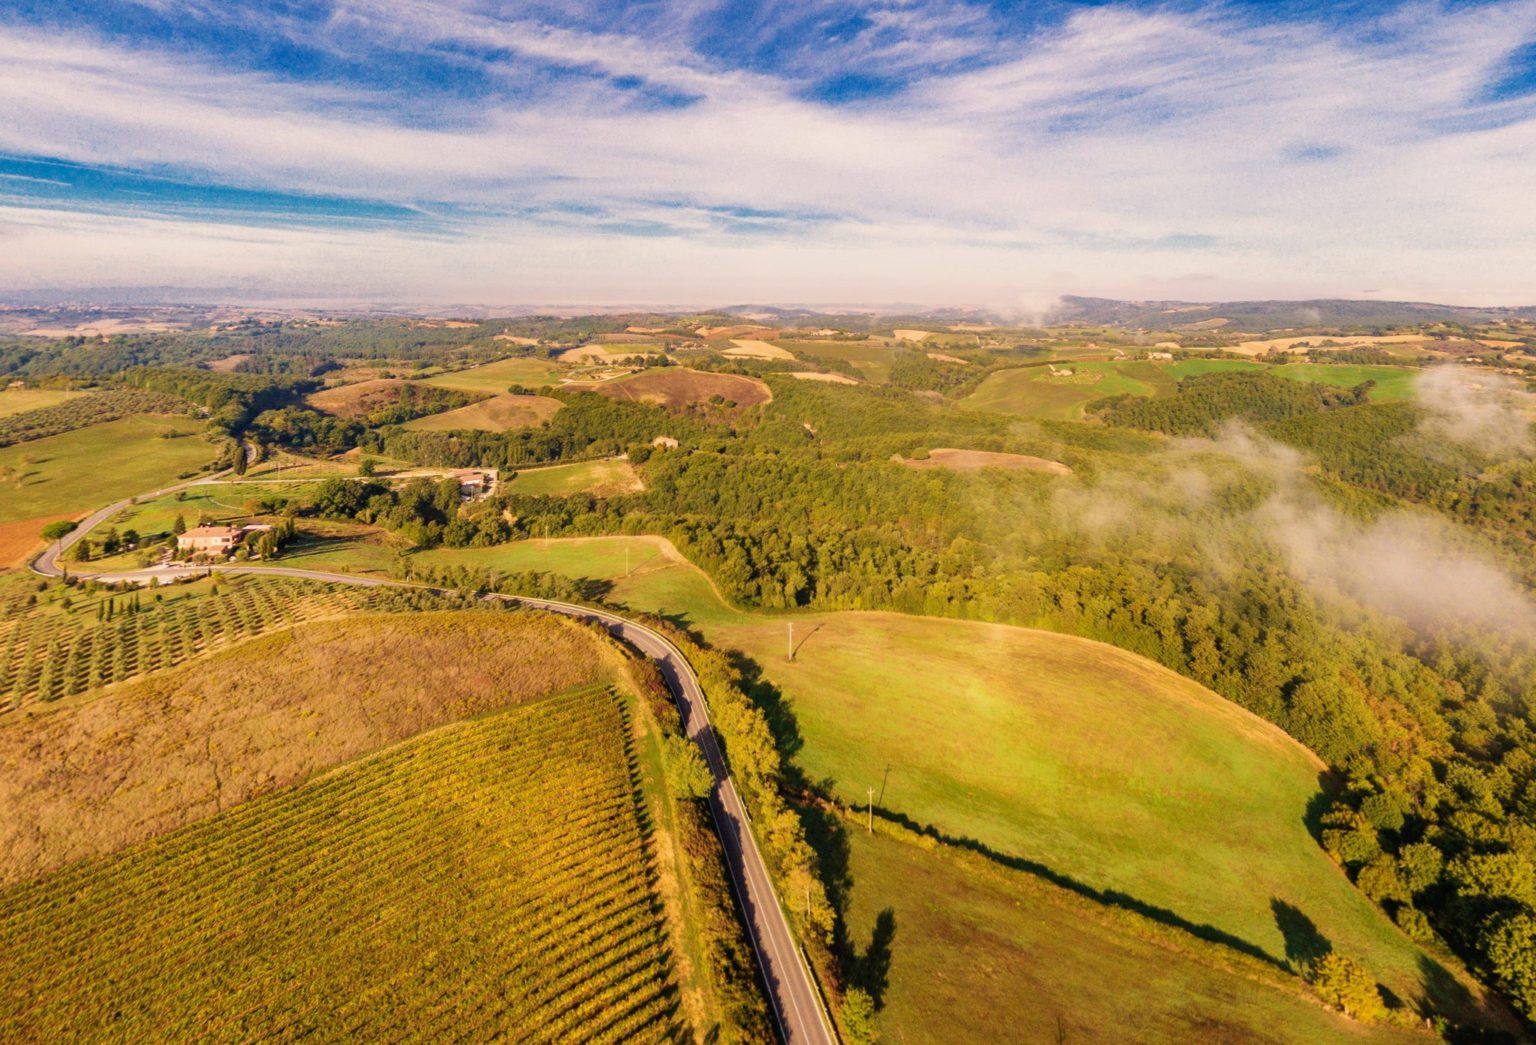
[{"x": 1128, "y": 148}]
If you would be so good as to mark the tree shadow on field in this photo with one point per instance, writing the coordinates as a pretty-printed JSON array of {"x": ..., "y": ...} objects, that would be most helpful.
[
  {"x": 872, "y": 969},
  {"x": 771, "y": 702},
  {"x": 1474, "y": 1016},
  {"x": 811, "y": 800},
  {"x": 1107, "y": 897},
  {"x": 804, "y": 639},
  {"x": 1304, "y": 942}
]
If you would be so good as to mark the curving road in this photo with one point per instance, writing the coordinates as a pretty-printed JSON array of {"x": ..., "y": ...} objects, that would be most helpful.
[{"x": 796, "y": 1002}]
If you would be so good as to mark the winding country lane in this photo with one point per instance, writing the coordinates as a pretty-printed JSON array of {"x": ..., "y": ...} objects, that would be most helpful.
[{"x": 796, "y": 1002}]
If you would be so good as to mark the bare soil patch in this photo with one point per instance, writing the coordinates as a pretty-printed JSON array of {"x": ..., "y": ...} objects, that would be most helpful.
[
  {"x": 945, "y": 358},
  {"x": 515, "y": 339},
  {"x": 228, "y": 363},
  {"x": 757, "y": 350},
  {"x": 976, "y": 460},
  {"x": 1301, "y": 344},
  {"x": 677, "y": 387},
  {"x": 912, "y": 335},
  {"x": 149, "y": 757},
  {"x": 811, "y": 375},
  {"x": 743, "y": 330},
  {"x": 21, "y": 539}
]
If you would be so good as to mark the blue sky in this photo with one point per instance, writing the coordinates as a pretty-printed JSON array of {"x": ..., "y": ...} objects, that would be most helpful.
[{"x": 692, "y": 152}]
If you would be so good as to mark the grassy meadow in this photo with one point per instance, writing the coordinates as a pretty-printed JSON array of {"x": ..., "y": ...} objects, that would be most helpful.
[
  {"x": 20, "y": 400},
  {"x": 435, "y": 889},
  {"x": 87, "y": 468},
  {"x": 871, "y": 358},
  {"x": 1392, "y": 382},
  {"x": 962, "y": 951},
  {"x": 1087, "y": 763},
  {"x": 496, "y": 377},
  {"x": 603, "y": 478},
  {"x": 1059, "y": 394}
]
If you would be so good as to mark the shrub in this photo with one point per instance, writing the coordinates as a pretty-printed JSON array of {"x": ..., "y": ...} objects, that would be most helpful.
[{"x": 1343, "y": 983}]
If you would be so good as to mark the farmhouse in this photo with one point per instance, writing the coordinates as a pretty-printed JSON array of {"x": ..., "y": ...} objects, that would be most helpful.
[
  {"x": 216, "y": 540},
  {"x": 475, "y": 485}
]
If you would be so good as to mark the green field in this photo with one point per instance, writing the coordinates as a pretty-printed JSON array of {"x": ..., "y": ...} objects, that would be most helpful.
[
  {"x": 1089, "y": 761},
  {"x": 1040, "y": 393},
  {"x": 490, "y": 879},
  {"x": 85, "y": 469},
  {"x": 1193, "y": 367},
  {"x": 980, "y": 953},
  {"x": 871, "y": 358},
  {"x": 604, "y": 478},
  {"x": 20, "y": 400},
  {"x": 496, "y": 377},
  {"x": 1094, "y": 764},
  {"x": 1392, "y": 382}
]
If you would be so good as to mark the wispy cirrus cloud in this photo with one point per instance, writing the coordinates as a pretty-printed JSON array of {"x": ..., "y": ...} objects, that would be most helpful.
[{"x": 944, "y": 152}]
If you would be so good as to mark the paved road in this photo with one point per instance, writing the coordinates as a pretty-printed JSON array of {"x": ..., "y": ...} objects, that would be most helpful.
[
  {"x": 47, "y": 562},
  {"x": 796, "y": 1003}
]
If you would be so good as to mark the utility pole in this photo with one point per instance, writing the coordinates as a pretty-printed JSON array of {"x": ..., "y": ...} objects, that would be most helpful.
[
  {"x": 871, "y": 810},
  {"x": 791, "y": 640}
]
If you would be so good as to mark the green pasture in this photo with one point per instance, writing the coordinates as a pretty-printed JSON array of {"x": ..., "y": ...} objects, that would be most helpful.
[
  {"x": 1392, "y": 382},
  {"x": 977, "y": 953},
  {"x": 600, "y": 477},
  {"x": 90, "y": 467},
  {"x": 1061, "y": 395},
  {"x": 496, "y": 377},
  {"x": 870, "y": 358},
  {"x": 1094, "y": 764},
  {"x": 1193, "y": 367},
  {"x": 20, "y": 400}
]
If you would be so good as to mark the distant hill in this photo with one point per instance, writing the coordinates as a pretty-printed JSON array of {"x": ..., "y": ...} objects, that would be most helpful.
[{"x": 1275, "y": 315}]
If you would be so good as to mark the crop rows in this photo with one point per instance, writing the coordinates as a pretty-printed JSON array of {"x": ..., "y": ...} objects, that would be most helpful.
[
  {"x": 87, "y": 410},
  {"x": 48, "y": 655},
  {"x": 488, "y": 880}
]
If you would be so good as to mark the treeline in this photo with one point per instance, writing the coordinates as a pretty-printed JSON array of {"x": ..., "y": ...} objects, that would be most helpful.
[
  {"x": 232, "y": 400},
  {"x": 730, "y": 963}
]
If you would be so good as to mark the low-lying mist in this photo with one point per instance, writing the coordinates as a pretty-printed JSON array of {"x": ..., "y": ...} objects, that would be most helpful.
[{"x": 1240, "y": 494}]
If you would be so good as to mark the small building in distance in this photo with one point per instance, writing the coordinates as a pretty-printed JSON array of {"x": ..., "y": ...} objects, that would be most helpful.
[
  {"x": 474, "y": 485},
  {"x": 216, "y": 540},
  {"x": 1159, "y": 355}
]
